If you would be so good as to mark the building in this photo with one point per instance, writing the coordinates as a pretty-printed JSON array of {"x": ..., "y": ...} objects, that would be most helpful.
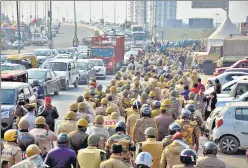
[{"x": 201, "y": 23}]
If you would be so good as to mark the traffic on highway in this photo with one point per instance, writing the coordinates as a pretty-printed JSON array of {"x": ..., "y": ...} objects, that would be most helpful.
[{"x": 113, "y": 95}]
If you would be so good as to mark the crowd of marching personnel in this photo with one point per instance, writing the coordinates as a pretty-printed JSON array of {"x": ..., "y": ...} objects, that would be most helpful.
[{"x": 150, "y": 116}]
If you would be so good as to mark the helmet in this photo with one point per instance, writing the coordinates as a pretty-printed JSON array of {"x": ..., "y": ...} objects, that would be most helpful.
[
  {"x": 190, "y": 107},
  {"x": 145, "y": 105},
  {"x": 93, "y": 139},
  {"x": 40, "y": 121},
  {"x": 110, "y": 109},
  {"x": 156, "y": 104},
  {"x": 152, "y": 94},
  {"x": 125, "y": 93},
  {"x": 11, "y": 135},
  {"x": 80, "y": 99},
  {"x": 146, "y": 78},
  {"x": 174, "y": 127},
  {"x": 165, "y": 103},
  {"x": 128, "y": 86},
  {"x": 114, "y": 116},
  {"x": 63, "y": 138},
  {"x": 86, "y": 94},
  {"x": 120, "y": 84},
  {"x": 73, "y": 107},
  {"x": 146, "y": 111},
  {"x": 144, "y": 96},
  {"x": 123, "y": 69},
  {"x": 71, "y": 115},
  {"x": 136, "y": 83},
  {"x": 113, "y": 82},
  {"x": 185, "y": 113},
  {"x": 120, "y": 125},
  {"x": 188, "y": 157},
  {"x": 136, "y": 104},
  {"x": 32, "y": 150},
  {"x": 210, "y": 148},
  {"x": 192, "y": 95},
  {"x": 161, "y": 78},
  {"x": 99, "y": 87},
  {"x": 104, "y": 101},
  {"x": 147, "y": 90},
  {"x": 92, "y": 83},
  {"x": 174, "y": 93},
  {"x": 82, "y": 105},
  {"x": 82, "y": 122},
  {"x": 92, "y": 92},
  {"x": 172, "y": 85},
  {"x": 150, "y": 131},
  {"x": 23, "y": 124},
  {"x": 91, "y": 87},
  {"x": 181, "y": 81},
  {"x": 113, "y": 89},
  {"x": 36, "y": 83},
  {"x": 144, "y": 158},
  {"x": 99, "y": 119},
  {"x": 117, "y": 77}
]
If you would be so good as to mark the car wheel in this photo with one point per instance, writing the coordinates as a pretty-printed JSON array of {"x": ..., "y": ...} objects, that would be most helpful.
[
  {"x": 229, "y": 145},
  {"x": 67, "y": 85},
  {"x": 56, "y": 92},
  {"x": 76, "y": 83}
]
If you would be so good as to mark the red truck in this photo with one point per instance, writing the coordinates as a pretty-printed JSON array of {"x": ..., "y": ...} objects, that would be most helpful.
[{"x": 110, "y": 49}]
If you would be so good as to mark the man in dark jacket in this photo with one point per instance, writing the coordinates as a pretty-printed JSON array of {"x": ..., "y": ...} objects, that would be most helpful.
[{"x": 49, "y": 112}]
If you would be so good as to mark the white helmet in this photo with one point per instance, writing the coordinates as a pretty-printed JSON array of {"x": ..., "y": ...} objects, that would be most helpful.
[{"x": 144, "y": 158}]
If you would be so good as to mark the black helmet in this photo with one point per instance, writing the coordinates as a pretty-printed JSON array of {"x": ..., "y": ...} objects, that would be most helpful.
[
  {"x": 190, "y": 107},
  {"x": 120, "y": 126},
  {"x": 80, "y": 99},
  {"x": 210, "y": 148},
  {"x": 174, "y": 127},
  {"x": 188, "y": 157},
  {"x": 99, "y": 87},
  {"x": 36, "y": 83},
  {"x": 136, "y": 104},
  {"x": 63, "y": 138},
  {"x": 186, "y": 114}
]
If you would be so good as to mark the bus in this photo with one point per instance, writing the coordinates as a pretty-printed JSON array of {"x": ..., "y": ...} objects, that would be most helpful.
[
  {"x": 136, "y": 28},
  {"x": 139, "y": 36}
]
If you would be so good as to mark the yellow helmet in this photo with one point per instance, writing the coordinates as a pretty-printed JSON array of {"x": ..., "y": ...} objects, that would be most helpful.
[
  {"x": 165, "y": 103},
  {"x": 113, "y": 89},
  {"x": 113, "y": 82},
  {"x": 86, "y": 94},
  {"x": 161, "y": 78},
  {"x": 10, "y": 135},
  {"x": 99, "y": 119},
  {"x": 120, "y": 84},
  {"x": 23, "y": 124},
  {"x": 136, "y": 83},
  {"x": 82, "y": 105},
  {"x": 152, "y": 94},
  {"x": 71, "y": 115},
  {"x": 40, "y": 121},
  {"x": 132, "y": 72},
  {"x": 92, "y": 83},
  {"x": 74, "y": 107},
  {"x": 32, "y": 150},
  {"x": 82, "y": 122},
  {"x": 109, "y": 110},
  {"x": 114, "y": 116},
  {"x": 146, "y": 78},
  {"x": 181, "y": 80},
  {"x": 104, "y": 101}
]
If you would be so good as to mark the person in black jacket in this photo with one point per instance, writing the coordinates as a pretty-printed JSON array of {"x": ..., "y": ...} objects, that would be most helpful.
[
  {"x": 217, "y": 87},
  {"x": 211, "y": 102},
  {"x": 49, "y": 112}
]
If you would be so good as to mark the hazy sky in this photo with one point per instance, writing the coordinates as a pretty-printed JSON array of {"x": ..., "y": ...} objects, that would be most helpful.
[{"x": 184, "y": 11}]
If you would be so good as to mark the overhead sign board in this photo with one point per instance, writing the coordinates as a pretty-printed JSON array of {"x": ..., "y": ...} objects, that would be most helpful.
[{"x": 210, "y": 3}]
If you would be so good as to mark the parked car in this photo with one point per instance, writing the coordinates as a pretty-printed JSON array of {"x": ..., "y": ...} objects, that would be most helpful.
[
  {"x": 43, "y": 54},
  {"x": 64, "y": 56},
  {"x": 54, "y": 52},
  {"x": 45, "y": 39},
  {"x": 47, "y": 79},
  {"x": 62, "y": 51},
  {"x": 15, "y": 45},
  {"x": 83, "y": 49},
  {"x": 225, "y": 77},
  {"x": 237, "y": 70},
  {"x": 99, "y": 67},
  {"x": 225, "y": 89},
  {"x": 211, "y": 121},
  {"x": 37, "y": 39},
  {"x": 67, "y": 69},
  {"x": 241, "y": 98},
  {"x": 231, "y": 131},
  {"x": 11, "y": 92},
  {"x": 8, "y": 66},
  {"x": 86, "y": 70}
]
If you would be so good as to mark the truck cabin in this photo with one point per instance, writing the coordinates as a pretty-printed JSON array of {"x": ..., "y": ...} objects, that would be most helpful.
[{"x": 14, "y": 76}]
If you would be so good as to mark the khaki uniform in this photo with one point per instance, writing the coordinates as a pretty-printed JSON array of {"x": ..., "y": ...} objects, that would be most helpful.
[
  {"x": 114, "y": 162},
  {"x": 179, "y": 88},
  {"x": 88, "y": 117},
  {"x": 131, "y": 120},
  {"x": 100, "y": 110},
  {"x": 175, "y": 108},
  {"x": 129, "y": 111},
  {"x": 91, "y": 157},
  {"x": 158, "y": 93},
  {"x": 116, "y": 108},
  {"x": 123, "y": 104},
  {"x": 210, "y": 161},
  {"x": 161, "y": 85},
  {"x": 140, "y": 126},
  {"x": 167, "y": 140},
  {"x": 194, "y": 79},
  {"x": 183, "y": 166},
  {"x": 100, "y": 94},
  {"x": 155, "y": 148},
  {"x": 44, "y": 138},
  {"x": 67, "y": 126},
  {"x": 11, "y": 153},
  {"x": 98, "y": 130},
  {"x": 171, "y": 155},
  {"x": 155, "y": 112}
]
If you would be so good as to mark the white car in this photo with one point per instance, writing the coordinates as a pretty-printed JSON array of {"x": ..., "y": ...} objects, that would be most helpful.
[
  {"x": 83, "y": 49},
  {"x": 45, "y": 39},
  {"x": 225, "y": 77},
  {"x": 43, "y": 54},
  {"x": 225, "y": 89},
  {"x": 37, "y": 39},
  {"x": 210, "y": 123},
  {"x": 100, "y": 68},
  {"x": 231, "y": 131},
  {"x": 128, "y": 54}
]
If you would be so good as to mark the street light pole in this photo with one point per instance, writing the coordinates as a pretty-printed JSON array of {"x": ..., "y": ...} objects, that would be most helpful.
[
  {"x": 18, "y": 26},
  {"x": 126, "y": 17},
  {"x": 102, "y": 10},
  {"x": 75, "y": 22},
  {"x": 114, "y": 12},
  {"x": 90, "y": 11},
  {"x": 50, "y": 26}
]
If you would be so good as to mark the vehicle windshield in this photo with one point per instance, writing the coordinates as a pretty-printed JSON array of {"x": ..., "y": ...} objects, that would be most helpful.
[
  {"x": 82, "y": 48},
  {"x": 62, "y": 51},
  {"x": 6, "y": 67},
  {"x": 8, "y": 96},
  {"x": 58, "y": 66},
  {"x": 97, "y": 62},
  {"x": 138, "y": 36},
  {"x": 42, "y": 53},
  {"x": 102, "y": 52},
  {"x": 82, "y": 56},
  {"x": 36, "y": 74},
  {"x": 82, "y": 65}
]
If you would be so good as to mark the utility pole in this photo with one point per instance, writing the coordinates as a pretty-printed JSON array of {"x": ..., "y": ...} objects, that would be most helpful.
[
  {"x": 21, "y": 4},
  {"x": 126, "y": 17},
  {"x": 18, "y": 26},
  {"x": 90, "y": 11},
  {"x": 30, "y": 15},
  {"x": 35, "y": 7},
  {"x": 102, "y": 10},
  {"x": 75, "y": 22},
  {"x": 145, "y": 15},
  {"x": 50, "y": 26},
  {"x": 114, "y": 12}
]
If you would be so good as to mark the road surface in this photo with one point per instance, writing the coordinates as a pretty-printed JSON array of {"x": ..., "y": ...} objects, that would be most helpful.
[{"x": 65, "y": 98}]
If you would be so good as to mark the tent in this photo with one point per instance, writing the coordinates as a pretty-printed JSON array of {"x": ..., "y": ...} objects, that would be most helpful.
[{"x": 224, "y": 30}]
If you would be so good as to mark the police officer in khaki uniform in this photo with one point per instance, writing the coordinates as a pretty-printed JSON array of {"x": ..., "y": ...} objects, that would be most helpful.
[
  {"x": 119, "y": 86},
  {"x": 152, "y": 97},
  {"x": 11, "y": 154},
  {"x": 74, "y": 106},
  {"x": 210, "y": 159},
  {"x": 175, "y": 106},
  {"x": 124, "y": 102},
  {"x": 91, "y": 157},
  {"x": 136, "y": 90},
  {"x": 93, "y": 97},
  {"x": 156, "y": 108},
  {"x": 144, "y": 98},
  {"x": 113, "y": 94},
  {"x": 84, "y": 113},
  {"x": 187, "y": 158},
  {"x": 32, "y": 150},
  {"x": 152, "y": 146},
  {"x": 173, "y": 128},
  {"x": 131, "y": 120},
  {"x": 101, "y": 110},
  {"x": 162, "y": 83},
  {"x": 108, "y": 112},
  {"x": 115, "y": 159},
  {"x": 100, "y": 94},
  {"x": 78, "y": 138},
  {"x": 69, "y": 124},
  {"x": 87, "y": 99}
]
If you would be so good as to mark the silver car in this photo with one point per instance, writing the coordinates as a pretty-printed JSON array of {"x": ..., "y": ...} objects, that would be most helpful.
[{"x": 86, "y": 71}]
